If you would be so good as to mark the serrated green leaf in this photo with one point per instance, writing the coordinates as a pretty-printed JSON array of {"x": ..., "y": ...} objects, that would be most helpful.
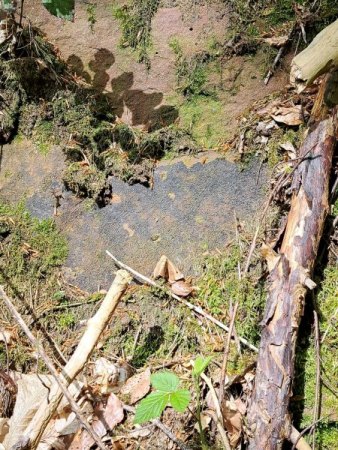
[
  {"x": 165, "y": 381},
  {"x": 151, "y": 407},
  {"x": 179, "y": 400},
  {"x": 60, "y": 8},
  {"x": 200, "y": 365}
]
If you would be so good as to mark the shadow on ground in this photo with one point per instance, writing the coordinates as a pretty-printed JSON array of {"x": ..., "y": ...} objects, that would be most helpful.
[{"x": 141, "y": 108}]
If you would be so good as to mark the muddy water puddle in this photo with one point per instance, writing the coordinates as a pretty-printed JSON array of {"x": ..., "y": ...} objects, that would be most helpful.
[{"x": 190, "y": 210}]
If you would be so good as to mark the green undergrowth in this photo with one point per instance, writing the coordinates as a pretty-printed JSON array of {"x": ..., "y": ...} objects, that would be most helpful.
[
  {"x": 220, "y": 285},
  {"x": 31, "y": 253},
  {"x": 47, "y": 106},
  {"x": 31, "y": 248},
  {"x": 135, "y": 19},
  {"x": 303, "y": 402},
  {"x": 252, "y": 20},
  {"x": 200, "y": 108}
]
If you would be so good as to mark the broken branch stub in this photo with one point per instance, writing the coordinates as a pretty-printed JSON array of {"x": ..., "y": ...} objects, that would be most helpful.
[
  {"x": 318, "y": 58},
  {"x": 90, "y": 338},
  {"x": 268, "y": 415}
]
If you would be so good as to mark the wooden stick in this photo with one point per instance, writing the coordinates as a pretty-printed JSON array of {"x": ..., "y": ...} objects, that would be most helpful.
[
  {"x": 226, "y": 355},
  {"x": 197, "y": 309},
  {"x": 18, "y": 318},
  {"x": 217, "y": 418},
  {"x": 296, "y": 438},
  {"x": 95, "y": 327},
  {"x": 316, "y": 410}
]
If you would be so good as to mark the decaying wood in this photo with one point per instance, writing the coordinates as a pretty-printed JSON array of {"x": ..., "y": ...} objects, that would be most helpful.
[
  {"x": 317, "y": 58},
  {"x": 17, "y": 317},
  {"x": 268, "y": 415},
  {"x": 95, "y": 327}
]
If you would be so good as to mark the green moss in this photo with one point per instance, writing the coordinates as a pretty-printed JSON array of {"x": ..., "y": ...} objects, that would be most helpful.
[
  {"x": 204, "y": 118},
  {"x": 305, "y": 380},
  {"x": 135, "y": 19},
  {"x": 191, "y": 73},
  {"x": 44, "y": 136},
  {"x": 66, "y": 320},
  {"x": 335, "y": 208},
  {"x": 220, "y": 284},
  {"x": 84, "y": 180},
  {"x": 31, "y": 253},
  {"x": 34, "y": 248}
]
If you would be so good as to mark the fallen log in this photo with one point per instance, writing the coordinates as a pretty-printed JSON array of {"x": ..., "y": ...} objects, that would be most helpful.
[
  {"x": 268, "y": 416},
  {"x": 319, "y": 57}
]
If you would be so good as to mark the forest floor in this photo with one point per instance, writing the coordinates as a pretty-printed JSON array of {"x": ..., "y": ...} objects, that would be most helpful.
[{"x": 75, "y": 182}]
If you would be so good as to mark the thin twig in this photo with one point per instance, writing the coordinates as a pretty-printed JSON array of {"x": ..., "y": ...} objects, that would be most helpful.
[
  {"x": 217, "y": 418},
  {"x": 163, "y": 428},
  {"x": 296, "y": 437},
  {"x": 226, "y": 355},
  {"x": 196, "y": 309},
  {"x": 274, "y": 64},
  {"x": 18, "y": 318},
  {"x": 213, "y": 394},
  {"x": 316, "y": 411},
  {"x": 220, "y": 429}
]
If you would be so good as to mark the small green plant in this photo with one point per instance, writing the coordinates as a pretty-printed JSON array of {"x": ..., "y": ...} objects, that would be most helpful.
[
  {"x": 167, "y": 393},
  {"x": 200, "y": 365},
  {"x": 66, "y": 320},
  {"x": 91, "y": 15},
  {"x": 191, "y": 73},
  {"x": 135, "y": 20}
]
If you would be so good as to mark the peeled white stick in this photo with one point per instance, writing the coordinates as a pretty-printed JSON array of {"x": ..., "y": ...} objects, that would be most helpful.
[
  {"x": 318, "y": 58},
  {"x": 95, "y": 327}
]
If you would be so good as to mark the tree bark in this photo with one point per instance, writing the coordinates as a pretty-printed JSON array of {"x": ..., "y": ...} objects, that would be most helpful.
[{"x": 268, "y": 416}]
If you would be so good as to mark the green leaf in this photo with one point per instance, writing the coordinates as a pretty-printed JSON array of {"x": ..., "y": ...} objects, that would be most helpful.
[
  {"x": 179, "y": 400},
  {"x": 8, "y": 5},
  {"x": 165, "y": 381},
  {"x": 60, "y": 8},
  {"x": 151, "y": 407},
  {"x": 200, "y": 365}
]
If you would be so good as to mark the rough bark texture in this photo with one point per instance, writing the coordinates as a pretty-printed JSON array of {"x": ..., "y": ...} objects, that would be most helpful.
[
  {"x": 268, "y": 416},
  {"x": 317, "y": 58}
]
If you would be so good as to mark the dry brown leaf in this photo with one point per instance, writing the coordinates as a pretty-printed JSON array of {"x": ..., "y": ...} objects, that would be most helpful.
[
  {"x": 106, "y": 417},
  {"x": 181, "y": 288},
  {"x": 276, "y": 41},
  {"x": 4, "y": 428},
  {"x": 112, "y": 413},
  {"x": 106, "y": 375},
  {"x": 6, "y": 336},
  {"x": 205, "y": 422},
  {"x": 291, "y": 115},
  {"x": 290, "y": 149},
  {"x": 167, "y": 270},
  {"x": 232, "y": 421},
  {"x": 137, "y": 386}
]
